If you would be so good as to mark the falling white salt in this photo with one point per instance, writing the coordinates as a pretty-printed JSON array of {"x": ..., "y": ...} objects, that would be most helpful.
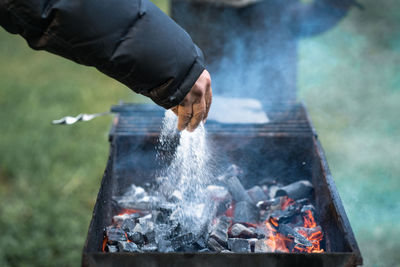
[{"x": 187, "y": 175}]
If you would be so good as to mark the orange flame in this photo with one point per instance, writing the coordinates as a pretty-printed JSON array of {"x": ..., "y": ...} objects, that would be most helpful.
[
  {"x": 105, "y": 240},
  {"x": 128, "y": 211},
  {"x": 276, "y": 241},
  {"x": 309, "y": 221},
  {"x": 312, "y": 232},
  {"x": 287, "y": 202}
]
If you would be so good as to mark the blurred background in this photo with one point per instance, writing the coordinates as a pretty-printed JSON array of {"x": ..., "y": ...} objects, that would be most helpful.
[{"x": 349, "y": 78}]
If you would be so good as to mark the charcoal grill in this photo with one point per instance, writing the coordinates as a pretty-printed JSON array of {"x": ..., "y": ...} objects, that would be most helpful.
[{"x": 287, "y": 148}]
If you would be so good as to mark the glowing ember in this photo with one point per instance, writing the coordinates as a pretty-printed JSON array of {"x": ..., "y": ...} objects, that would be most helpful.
[
  {"x": 287, "y": 202},
  {"x": 128, "y": 211},
  {"x": 105, "y": 240},
  {"x": 312, "y": 232},
  {"x": 275, "y": 240}
]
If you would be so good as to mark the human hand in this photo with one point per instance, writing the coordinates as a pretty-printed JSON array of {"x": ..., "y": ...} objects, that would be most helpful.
[{"x": 195, "y": 106}]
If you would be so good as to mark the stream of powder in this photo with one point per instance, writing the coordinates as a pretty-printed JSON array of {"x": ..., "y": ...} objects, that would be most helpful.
[{"x": 187, "y": 175}]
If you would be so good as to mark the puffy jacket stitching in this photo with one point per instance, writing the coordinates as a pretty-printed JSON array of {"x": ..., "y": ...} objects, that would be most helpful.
[
  {"x": 64, "y": 44},
  {"x": 123, "y": 35}
]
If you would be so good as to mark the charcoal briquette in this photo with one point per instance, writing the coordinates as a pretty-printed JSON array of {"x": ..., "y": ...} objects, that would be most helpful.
[
  {"x": 239, "y": 230},
  {"x": 261, "y": 246},
  {"x": 256, "y": 194},
  {"x": 115, "y": 234},
  {"x": 297, "y": 190},
  {"x": 111, "y": 248},
  {"x": 246, "y": 212},
  {"x": 128, "y": 225},
  {"x": 136, "y": 237},
  {"x": 214, "y": 245},
  {"x": 288, "y": 231},
  {"x": 239, "y": 245},
  {"x": 127, "y": 247},
  {"x": 219, "y": 230},
  {"x": 236, "y": 189}
]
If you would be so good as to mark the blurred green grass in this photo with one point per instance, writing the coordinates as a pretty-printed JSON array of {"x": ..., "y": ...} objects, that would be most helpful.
[{"x": 50, "y": 176}]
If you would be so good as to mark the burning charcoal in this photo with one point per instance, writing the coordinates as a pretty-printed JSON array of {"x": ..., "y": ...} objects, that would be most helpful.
[
  {"x": 145, "y": 219},
  {"x": 270, "y": 204},
  {"x": 213, "y": 245},
  {"x": 261, "y": 246},
  {"x": 119, "y": 219},
  {"x": 150, "y": 236},
  {"x": 219, "y": 230},
  {"x": 163, "y": 213},
  {"x": 259, "y": 232},
  {"x": 201, "y": 243},
  {"x": 149, "y": 248},
  {"x": 182, "y": 240},
  {"x": 256, "y": 194},
  {"x": 239, "y": 230},
  {"x": 175, "y": 229},
  {"x": 136, "y": 237},
  {"x": 131, "y": 198},
  {"x": 145, "y": 228},
  {"x": 285, "y": 216},
  {"x": 111, "y": 248},
  {"x": 297, "y": 190},
  {"x": 308, "y": 207},
  {"x": 144, "y": 206},
  {"x": 239, "y": 245},
  {"x": 176, "y": 196},
  {"x": 288, "y": 231},
  {"x": 127, "y": 247},
  {"x": 221, "y": 197},
  {"x": 246, "y": 212},
  {"x": 164, "y": 246},
  {"x": 115, "y": 234},
  {"x": 138, "y": 228},
  {"x": 128, "y": 225},
  {"x": 308, "y": 231},
  {"x": 236, "y": 189}
]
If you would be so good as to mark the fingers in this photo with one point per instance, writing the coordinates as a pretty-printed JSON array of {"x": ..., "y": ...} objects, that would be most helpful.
[
  {"x": 199, "y": 110},
  {"x": 185, "y": 113},
  {"x": 175, "y": 110},
  {"x": 208, "y": 98},
  {"x": 194, "y": 108}
]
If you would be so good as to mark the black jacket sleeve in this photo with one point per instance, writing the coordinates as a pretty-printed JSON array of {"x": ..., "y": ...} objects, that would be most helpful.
[{"x": 130, "y": 40}]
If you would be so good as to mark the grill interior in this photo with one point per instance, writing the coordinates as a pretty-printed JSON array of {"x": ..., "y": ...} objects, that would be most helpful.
[{"x": 286, "y": 148}]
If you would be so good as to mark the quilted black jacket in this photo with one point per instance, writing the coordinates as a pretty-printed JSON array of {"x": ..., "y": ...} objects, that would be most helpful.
[{"x": 130, "y": 40}]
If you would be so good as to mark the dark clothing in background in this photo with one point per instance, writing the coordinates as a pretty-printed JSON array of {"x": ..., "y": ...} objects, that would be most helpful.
[
  {"x": 130, "y": 40},
  {"x": 251, "y": 51}
]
